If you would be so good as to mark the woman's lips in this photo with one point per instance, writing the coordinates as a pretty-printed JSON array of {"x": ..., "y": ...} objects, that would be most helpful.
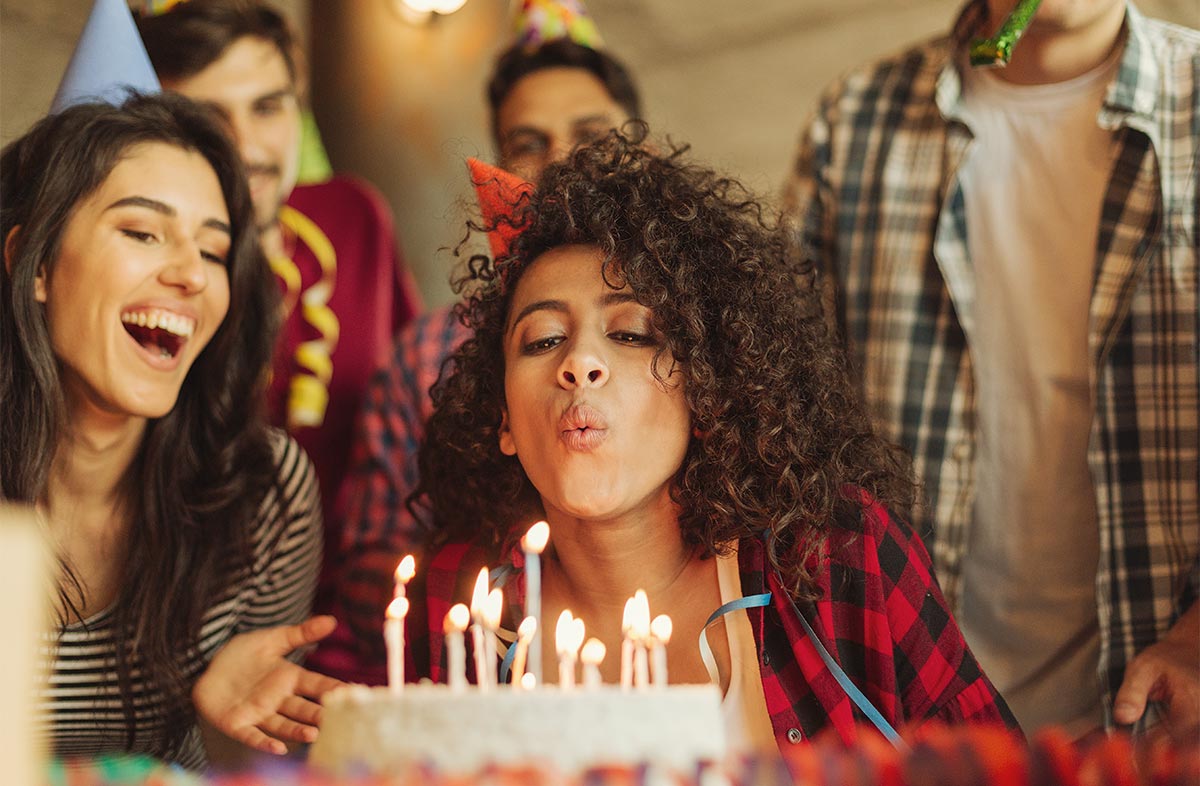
[{"x": 583, "y": 428}]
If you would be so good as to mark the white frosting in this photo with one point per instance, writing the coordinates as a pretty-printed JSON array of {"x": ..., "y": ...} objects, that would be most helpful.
[{"x": 372, "y": 730}]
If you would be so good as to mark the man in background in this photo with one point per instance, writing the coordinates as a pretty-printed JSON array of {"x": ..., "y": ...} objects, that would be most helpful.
[
  {"x": 1016, "y": 262},
  {"x": 331, "y": 244}
]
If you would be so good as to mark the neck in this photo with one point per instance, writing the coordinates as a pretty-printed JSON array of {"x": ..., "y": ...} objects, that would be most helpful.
[
  {"x": 601, "y": 564},
  {"x": 1047, "y": 54},
  {"x": 271, "y": 239},
  {"x": 89, "y": 466}
]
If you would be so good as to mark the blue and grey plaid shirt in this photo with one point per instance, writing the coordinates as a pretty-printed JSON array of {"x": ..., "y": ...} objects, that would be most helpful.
[{"x": 876, "y": 198}]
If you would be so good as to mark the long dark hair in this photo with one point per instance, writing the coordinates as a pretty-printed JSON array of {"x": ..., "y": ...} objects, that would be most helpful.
[
  {"x": 204, "y": 467},
  {"x": 782, "y": 443}
]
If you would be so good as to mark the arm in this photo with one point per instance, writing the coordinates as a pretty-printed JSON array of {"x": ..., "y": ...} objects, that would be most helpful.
[
  {"x": 808, "y": 201},
  {"x": 937, "y": 675},
  {"x": 252, "y": 691}
]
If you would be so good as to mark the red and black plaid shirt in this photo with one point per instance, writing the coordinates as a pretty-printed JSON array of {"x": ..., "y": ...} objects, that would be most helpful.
[{"x": 881, "y": 616}]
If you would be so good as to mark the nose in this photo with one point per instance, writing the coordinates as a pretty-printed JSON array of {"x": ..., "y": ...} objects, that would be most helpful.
[
  {"x": 186, "y": 269},
  {"x": 582, "y": 367}
]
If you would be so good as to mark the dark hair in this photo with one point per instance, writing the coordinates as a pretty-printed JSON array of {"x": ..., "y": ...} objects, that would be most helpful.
[
  {"x": 204, "y": 467},
  {"x": 187, "y": 39},
  {"x": 781, "y": 444},
  {"x": 516, "y": 63}
]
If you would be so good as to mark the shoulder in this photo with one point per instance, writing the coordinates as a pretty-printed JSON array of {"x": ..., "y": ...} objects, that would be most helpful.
[
  {"x": 341, "y": 202},
  {"x": 346, "y": 189},
  {"x": 868, "y": 535},
  {"x": 1170, "y": 41},
  {"x": 909, "y": 75},
  {"x": 291, "y": 508}
]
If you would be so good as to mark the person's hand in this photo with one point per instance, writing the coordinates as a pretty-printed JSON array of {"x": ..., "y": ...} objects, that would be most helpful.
[
  {"x": 252, "y": 693},
  {"x": 1167, "y": 671}
]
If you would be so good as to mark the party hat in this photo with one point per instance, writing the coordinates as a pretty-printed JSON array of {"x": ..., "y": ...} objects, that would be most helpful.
[
  {"x": 109, "y": 60},
  {"x": 500, "y": 193},
  {"x": 540, "y": 21}
]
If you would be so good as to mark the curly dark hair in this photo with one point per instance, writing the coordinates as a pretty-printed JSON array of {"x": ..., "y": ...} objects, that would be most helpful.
[{"x": 782, "y": 444}]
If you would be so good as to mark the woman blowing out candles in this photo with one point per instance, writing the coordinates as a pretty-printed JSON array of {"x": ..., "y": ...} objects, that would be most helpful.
[
  {"x": 136, "y": 325},
  {"x": 650, "y": 372}
]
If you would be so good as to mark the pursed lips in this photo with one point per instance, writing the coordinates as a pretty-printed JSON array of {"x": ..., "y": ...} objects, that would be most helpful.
[{"x": 582, "y": 427}]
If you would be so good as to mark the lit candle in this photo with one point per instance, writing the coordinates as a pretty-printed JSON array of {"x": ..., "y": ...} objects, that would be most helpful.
[
  {"x": 478, "y": 598},
  {"x": 627, "y": 646},
  {"x": 404, "y": 573},
  {"x": 454, "y": 625},
  {"x": 641, "y": 635},
  {"x": 493, "y": 607},
  {"x": 533, "y": 544},
  {"x": 591, "y": 656},
  {"x": 660, "y": 636},
  {"x": 568, "y": 636},
  {"x": 528, "y": 681},
  {"x": 524, "y": 636},
  {"x": 393, "y": 639}
]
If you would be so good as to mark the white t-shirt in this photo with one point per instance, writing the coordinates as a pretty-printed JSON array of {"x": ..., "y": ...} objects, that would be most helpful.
[{"x": 1033, "y": 185}]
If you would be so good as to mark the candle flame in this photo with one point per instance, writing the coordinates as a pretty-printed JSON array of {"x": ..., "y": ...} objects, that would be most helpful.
[
  {"x": 660, "y": 628},
  {"x": 527, "y": 629},
  {"x": 406, "y": 569},
  {"x": 536, "y": 538},
  {"x": 593, "y": 652},
  {"x": 577, "y": 635},
  {"x": 397, "y": 609},
  {"x": 479, "y": 595},
  {"x": 639, "y": 623},
  {"x": 528, "y": 681},
  {"x": 493, "y": 606},
  {"x": 563, "y": 632},
  {"x": 457, "y": 619}
]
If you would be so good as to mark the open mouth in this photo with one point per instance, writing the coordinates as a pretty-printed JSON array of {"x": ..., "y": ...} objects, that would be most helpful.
[{"x": 162, "y": 333}]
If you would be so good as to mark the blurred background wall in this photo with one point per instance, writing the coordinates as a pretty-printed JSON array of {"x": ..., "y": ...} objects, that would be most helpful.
[{"x": 403, "y": 105}]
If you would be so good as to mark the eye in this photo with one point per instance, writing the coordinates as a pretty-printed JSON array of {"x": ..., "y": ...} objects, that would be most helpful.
[
  {"x": 538, "y": 346},
  {"x": 631, "y": 338},
  {"x": 526, "y": 145},
  {"x": 268, "y": 107},
  {"x": 138, "y": 235},
  {"x": 209, "y": 256}
]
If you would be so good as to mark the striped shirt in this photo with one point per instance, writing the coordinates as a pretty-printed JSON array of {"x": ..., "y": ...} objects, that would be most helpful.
[
  {"x": 877, "y": 199},
  {"x": 80, "y": 705}
]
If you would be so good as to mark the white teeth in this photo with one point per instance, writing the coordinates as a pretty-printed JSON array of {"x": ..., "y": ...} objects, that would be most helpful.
[{"x": 163, "y": 320}]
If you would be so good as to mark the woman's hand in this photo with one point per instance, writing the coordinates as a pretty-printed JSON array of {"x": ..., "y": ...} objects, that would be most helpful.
[{"x": 250, "y": 692}]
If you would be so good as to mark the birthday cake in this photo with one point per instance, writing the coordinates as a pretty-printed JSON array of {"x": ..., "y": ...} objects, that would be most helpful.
[{"x": 374, "y": 730}]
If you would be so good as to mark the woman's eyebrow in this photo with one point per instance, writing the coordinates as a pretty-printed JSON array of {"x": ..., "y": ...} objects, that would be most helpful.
[
  {"x": 162, "y": 207},
  {"x": 540, "y": 305}
]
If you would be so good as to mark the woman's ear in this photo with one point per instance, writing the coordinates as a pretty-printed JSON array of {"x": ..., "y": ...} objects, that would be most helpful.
[
  {"x": 507, "y": 446},
  {"x": 11, "y": 244}
]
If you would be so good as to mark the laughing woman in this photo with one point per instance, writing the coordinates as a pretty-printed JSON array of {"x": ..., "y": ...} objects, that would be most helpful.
[
  {"x": 136, "y": 324},
  {"x": 651, "y": 373}
]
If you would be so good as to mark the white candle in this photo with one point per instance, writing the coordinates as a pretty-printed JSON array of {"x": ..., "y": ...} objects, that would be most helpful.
[
  {"x": 532, "y": 544},
  {"x": 493, "y": 607},
  {"x": 393, "y": 639},
  {"x": 660, "y": 636},
  {"x": 525, "y": 634},
  {"x": 404, "y": 573},
  {"x": 478, "y": 598},
  {"x": 454, "y": 625},
  {"x": 591, "y": 657},
  {"x": 627, "y": 646},
  {"x": 568, "y": 636},
  {"x": 641, "y": 635}
]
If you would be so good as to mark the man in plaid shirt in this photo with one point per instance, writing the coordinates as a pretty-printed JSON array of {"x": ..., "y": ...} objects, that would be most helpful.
[
  {"x": 543, "y": 103},
  {"x": 1016, "y": 264}
]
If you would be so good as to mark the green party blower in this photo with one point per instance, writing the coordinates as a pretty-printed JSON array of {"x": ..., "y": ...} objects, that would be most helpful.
[{"x": 996, "y": 51}]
